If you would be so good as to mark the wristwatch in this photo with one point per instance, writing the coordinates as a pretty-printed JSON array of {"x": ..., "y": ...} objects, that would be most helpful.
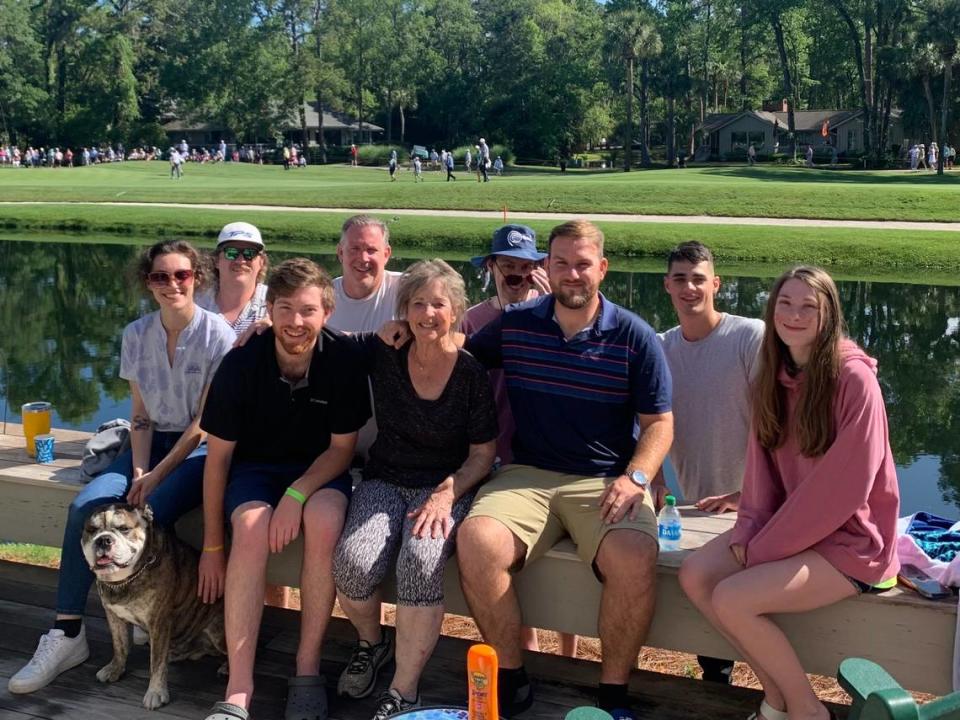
[{"x": 639, "y": 478}]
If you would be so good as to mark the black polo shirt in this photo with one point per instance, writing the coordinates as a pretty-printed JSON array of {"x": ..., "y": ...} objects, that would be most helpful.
[{"x": 273, "y": 421}]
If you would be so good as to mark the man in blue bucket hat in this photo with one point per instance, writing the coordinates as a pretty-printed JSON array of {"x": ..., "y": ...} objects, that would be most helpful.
[
  {"x": 513, "y": 255},
  {"x": 514, "y": 266}
]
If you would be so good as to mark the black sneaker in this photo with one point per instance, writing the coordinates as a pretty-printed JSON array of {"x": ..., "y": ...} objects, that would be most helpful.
[
  {"x": 360, "y": 675},
  {"x": 392, "y": 702},
  {"x": 512, "y": 704}
]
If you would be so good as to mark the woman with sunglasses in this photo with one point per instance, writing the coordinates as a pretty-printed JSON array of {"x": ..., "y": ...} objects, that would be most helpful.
[
  {"x": 239, "y": 294},
  {"x": 169, "y": 357}
]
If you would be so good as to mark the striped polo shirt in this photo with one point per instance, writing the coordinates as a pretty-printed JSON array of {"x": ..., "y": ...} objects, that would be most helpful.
[{"x": 575, "y": 400}]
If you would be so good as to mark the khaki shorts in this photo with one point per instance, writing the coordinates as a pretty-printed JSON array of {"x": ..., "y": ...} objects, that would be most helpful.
[{"x": 541, "y": 506}]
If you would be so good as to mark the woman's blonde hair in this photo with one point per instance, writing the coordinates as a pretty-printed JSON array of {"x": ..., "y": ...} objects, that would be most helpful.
[
  {"x": 425, "y": 272},
  {"x": 813, "y": 420}
]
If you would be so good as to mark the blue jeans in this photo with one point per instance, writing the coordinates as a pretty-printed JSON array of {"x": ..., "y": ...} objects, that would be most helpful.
[{"x": 180, "y": 492}]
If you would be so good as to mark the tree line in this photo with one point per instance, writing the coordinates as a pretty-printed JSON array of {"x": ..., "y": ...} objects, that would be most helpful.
[{"x": 545, "y": 77}]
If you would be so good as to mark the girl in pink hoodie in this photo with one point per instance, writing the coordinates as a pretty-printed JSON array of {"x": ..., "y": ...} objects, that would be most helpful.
[{"x": 818, "y": 512}]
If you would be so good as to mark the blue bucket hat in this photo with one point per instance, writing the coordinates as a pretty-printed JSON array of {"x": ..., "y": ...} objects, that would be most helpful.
[{"x": 517, "y": 241}]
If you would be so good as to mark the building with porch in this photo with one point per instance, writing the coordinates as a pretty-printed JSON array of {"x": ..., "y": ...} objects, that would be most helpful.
[
  {"x": 338, "y": 129},
  {"x": 728, "y": 134}
]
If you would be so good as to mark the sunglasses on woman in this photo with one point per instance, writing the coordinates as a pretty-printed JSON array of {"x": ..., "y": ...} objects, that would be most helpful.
[
  {"x": 161, "y": 278},
  {"x": 248, "y": 253}
]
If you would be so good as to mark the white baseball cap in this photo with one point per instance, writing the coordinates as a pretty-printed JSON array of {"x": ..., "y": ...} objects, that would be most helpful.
[{"x": 240, "y": 232}]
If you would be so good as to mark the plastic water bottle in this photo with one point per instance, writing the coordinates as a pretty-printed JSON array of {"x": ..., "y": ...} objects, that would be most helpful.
[{"x": 669, "y": 527}]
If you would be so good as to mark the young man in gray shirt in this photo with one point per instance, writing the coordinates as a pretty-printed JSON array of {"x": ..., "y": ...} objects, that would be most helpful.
[{"x": 712, "y": 357}]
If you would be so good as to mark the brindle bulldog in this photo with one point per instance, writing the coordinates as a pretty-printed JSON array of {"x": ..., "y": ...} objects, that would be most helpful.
[{"x": 147, "y": 577}]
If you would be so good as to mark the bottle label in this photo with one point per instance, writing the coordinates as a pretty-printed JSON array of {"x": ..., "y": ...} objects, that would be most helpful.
[{"x": 669, "y": 531}]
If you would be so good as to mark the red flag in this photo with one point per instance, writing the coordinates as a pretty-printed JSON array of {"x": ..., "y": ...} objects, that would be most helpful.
[{"x": 825, "y": 128}]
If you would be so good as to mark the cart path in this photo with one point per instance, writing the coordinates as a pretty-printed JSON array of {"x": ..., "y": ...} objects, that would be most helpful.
[{"x": 558, "y": 217}]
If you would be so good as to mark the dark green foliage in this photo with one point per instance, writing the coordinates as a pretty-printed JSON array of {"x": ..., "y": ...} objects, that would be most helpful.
[{"x": 548, "y": 79}]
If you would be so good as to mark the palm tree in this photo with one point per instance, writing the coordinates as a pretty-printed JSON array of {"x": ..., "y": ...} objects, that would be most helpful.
[{"x": 633, "y": 37}]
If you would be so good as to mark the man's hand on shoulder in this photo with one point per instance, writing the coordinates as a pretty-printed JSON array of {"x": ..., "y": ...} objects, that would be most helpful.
[
  {"x": 622, "y": 496},
  {"x": 257, "y": 328},
  {"x": 394, "y": 333}
]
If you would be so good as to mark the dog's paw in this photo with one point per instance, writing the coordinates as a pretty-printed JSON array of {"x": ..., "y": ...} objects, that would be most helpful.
[
  {"x": 156, "y": 697},
  {"x": 110, "y": 673},
  {"x": 224, "y": 670}
]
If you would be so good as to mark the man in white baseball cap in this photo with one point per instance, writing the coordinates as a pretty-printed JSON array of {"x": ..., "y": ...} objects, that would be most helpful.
[{"x": 240, "y": 232}]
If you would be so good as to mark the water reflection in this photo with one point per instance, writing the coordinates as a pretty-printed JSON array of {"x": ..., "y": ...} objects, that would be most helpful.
[{"x": 63, "y": 305}]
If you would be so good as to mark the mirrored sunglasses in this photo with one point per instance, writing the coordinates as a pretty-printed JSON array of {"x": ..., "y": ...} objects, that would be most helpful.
[
  {"x": 163, "y": 278},
  {"x": 248, "y": 253}
]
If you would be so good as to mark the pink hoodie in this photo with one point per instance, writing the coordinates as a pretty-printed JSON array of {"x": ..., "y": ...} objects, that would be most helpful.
[{"x": 843, "y": 504}]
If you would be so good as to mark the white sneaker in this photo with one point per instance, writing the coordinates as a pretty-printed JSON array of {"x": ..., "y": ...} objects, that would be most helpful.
[
  {"x": 55, "y": 654},
  {"x": 140, "y": 636}
]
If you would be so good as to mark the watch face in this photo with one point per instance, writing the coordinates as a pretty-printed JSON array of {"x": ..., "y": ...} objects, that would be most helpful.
[{"x": 639, "y": 478}]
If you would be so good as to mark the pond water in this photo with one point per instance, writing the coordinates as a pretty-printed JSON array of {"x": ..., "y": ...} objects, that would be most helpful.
[{"x": 63, "y": 306}]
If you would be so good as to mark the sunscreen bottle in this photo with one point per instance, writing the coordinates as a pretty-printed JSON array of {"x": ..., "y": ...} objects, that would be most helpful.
[{"x": 482, "y": 681}]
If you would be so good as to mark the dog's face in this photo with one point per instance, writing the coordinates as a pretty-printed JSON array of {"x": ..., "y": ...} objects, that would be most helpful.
[{"x": 114, "y": 538}]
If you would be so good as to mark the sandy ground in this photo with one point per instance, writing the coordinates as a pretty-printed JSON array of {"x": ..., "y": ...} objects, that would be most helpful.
[{"x": 653, "y": 659}]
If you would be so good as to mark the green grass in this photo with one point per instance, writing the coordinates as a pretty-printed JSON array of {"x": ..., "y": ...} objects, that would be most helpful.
[
  {"x": 919, "y": 256},
  {"x": 717, "y": 190},
  {"x": 30, "y": 554}
]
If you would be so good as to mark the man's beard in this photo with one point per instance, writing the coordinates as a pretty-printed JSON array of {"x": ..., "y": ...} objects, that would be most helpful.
[
  {"x": 299, "y": 346},
  {"x": 575, "y": 299}
]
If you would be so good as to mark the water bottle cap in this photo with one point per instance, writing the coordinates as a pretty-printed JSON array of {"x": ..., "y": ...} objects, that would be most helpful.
[{"x": 670, "y": 500}]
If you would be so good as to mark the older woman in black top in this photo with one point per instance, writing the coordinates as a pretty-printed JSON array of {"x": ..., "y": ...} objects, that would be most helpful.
[{"x": 436, "y": 440}]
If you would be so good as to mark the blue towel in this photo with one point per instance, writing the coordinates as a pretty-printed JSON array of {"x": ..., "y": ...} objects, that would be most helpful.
[{"x": 937, "y": 536}]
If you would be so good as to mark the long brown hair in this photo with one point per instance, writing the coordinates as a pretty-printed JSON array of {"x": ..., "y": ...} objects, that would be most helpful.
[{"x": 813, "y": 419}]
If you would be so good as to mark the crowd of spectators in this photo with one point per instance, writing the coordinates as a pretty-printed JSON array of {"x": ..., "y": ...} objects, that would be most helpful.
[{"x": 54, "y": 157}]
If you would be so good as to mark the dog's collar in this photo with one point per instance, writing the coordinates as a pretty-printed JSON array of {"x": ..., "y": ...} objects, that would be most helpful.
[{"x": 151, "y": 561}]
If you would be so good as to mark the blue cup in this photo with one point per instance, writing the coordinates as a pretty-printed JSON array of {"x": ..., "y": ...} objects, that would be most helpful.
[{"x": 43, "y": 444}]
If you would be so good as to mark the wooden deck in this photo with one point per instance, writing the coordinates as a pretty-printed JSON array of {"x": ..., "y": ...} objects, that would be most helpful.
[{"x": 561, "y": 683}]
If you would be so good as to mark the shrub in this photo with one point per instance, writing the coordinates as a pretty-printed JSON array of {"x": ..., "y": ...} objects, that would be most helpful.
[
  {"x": 380, "y": 154},
  {"x": 505, "y": 153}
]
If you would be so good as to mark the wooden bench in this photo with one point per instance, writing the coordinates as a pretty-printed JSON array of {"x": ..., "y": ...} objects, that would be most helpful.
[{"x": 909, "y": 636}]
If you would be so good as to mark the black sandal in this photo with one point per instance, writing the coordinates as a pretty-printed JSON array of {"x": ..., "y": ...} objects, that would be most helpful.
[{"x": 306, "y": 698}]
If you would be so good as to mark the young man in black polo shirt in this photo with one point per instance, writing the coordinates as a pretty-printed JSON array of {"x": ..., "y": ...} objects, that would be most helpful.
[{"x": 281, "y": 420}]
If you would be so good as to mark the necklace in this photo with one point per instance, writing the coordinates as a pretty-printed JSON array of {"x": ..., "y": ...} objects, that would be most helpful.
[
  {"x": 416, "y": 360},
  {"x": 422, "y": 366}
]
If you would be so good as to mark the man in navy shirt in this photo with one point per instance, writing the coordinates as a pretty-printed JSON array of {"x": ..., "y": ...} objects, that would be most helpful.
[
  {"x": 583, "y": 376},
  {"x": 281, "y": 419}
]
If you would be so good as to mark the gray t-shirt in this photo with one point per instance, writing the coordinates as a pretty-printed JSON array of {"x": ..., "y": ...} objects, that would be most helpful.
[
  {"x": 172, "y": 394},
  {"x": 711, "y": 404},
  {"x": 368, "y": 314}
]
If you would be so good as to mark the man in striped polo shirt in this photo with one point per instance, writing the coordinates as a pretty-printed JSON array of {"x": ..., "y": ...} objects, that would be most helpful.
[{"x": 584, "y": 377}]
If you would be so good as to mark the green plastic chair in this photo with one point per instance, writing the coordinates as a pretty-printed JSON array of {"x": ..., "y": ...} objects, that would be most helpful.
[{"x": 877, "y": 696}]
